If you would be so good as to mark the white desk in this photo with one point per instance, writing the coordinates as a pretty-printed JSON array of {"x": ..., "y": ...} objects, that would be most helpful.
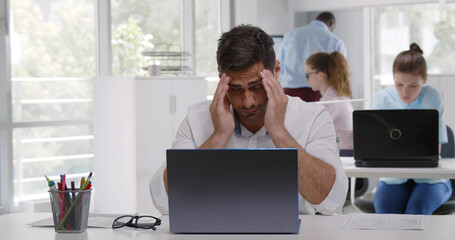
[
  {"x": 14, "y": 226},
  {"x": 446, "y": 169}
]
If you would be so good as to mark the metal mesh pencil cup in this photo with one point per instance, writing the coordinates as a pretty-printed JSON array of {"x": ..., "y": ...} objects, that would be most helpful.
[{"x": 70, "y": 210}]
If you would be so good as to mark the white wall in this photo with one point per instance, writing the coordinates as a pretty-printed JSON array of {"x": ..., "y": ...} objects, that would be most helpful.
[
  {"x": 246, "y": 12},
  {"x": 328, "y": 5},
  {"x": 115, "y": 161},
  {"x": 275, "y": 17},
  {"x": 350, "y": 29}
]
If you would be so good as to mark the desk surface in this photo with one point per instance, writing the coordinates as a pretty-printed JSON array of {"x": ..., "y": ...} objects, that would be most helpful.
[
  {"x": 446, "y": 169},
  {"x": 14, "y": 226}
]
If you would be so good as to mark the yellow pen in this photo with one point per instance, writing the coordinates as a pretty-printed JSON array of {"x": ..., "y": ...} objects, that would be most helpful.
[{"x": 82, "y": 182}]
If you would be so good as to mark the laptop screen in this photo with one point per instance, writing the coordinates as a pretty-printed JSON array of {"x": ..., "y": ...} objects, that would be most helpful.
[
  {"x": 396, "y": 134},
  {"x": 233, "y": 190}
]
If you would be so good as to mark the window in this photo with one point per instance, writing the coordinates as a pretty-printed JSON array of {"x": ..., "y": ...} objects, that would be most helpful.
[
  {"x": 45, "y": 124},
  {"x": 52, "y": 151},
  {"x": 396, "y": 27},
  {"x": 142, "y": 25},
  {"x": 156, "y": 25},
  {"x": 207, "y": 34},
  {"x": 52, "y": 65}
]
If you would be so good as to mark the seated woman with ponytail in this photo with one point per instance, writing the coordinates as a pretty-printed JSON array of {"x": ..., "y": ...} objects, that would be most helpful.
[
  {"x": 402, "y": 195},
  {"x": 329, "y": 74}
]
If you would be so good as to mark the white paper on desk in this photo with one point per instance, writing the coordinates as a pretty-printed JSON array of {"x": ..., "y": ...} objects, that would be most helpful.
[
  {"x": 363, "y": 221},
  {"x": 96, "y": 221}
]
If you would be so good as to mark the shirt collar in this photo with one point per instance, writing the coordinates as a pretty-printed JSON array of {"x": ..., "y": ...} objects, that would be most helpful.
[
  {"x": 319, "y": 24},
  {"x": 329, "y": 93},
  {"x": 238, "y": 126}
]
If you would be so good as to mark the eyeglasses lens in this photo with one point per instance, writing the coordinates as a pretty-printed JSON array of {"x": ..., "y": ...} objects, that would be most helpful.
[
  {"x": 146, "y": 222},
  {"x": 121, "y": 221}
]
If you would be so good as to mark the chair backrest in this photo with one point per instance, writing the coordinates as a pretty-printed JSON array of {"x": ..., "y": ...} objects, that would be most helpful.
[{"x": 448, "y": 149}]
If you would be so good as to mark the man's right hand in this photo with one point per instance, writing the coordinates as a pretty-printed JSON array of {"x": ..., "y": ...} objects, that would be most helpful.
[{"x": 222, "y": 118}]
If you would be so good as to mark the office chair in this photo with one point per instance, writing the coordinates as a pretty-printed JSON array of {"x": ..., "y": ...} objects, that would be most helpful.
[{"x": 447, "y": 151}]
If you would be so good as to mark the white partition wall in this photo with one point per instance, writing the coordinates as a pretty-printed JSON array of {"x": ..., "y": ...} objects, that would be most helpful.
[
  {"x": 135, "y": 122},
  {"x": 114, "y": 149}
]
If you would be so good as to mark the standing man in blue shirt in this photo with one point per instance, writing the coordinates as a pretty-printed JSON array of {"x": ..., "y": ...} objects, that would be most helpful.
[{"x": 298, "y": 45}]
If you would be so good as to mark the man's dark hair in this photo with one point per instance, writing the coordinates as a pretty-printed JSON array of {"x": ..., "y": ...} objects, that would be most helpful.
[
  {"x": 242, "y": 47},
  {"x": 327, "y": 17}
]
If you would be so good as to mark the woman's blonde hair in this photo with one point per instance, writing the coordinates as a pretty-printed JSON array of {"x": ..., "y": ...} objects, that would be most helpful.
[{"x": 336, "y": 67}]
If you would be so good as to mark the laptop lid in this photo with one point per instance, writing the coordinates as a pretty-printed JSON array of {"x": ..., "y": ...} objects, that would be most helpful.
[
  {"x": 406, "y": 138},
  {"x": 233, "y": 190}
]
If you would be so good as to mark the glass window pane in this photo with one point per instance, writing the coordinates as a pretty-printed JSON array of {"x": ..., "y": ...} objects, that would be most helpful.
[
  {"x": 53, "y": 60},
  {"x": 142, "y": 25},
  {"x": 50, "y": 151},
  {"x": 207, "y": 34},
  {"x": 38, "y": 99},
  {"x": 48, "y": 40},
  {"x": 51, "y": 50},
  {"x": 396, "y": 27}
]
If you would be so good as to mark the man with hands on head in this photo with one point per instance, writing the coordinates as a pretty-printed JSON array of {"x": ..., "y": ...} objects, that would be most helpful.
[{"x": 250, "y": 110}]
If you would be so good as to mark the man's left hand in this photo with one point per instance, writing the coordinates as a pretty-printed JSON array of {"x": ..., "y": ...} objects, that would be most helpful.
[{"x": 277, "y": 102}]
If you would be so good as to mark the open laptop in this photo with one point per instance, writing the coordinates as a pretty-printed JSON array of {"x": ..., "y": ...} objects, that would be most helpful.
[
  {"x": 233, "y": 190},
  {"x": 396, "y": 138}
]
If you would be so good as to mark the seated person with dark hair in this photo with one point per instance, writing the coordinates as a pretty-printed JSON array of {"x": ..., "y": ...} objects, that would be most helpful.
[
  {"x": 402, "y": 195},
  {"x": 250, "y": 110}
]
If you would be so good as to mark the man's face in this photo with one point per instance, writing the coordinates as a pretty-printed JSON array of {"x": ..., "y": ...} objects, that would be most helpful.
[
  {"x": 313, "y": 78},
  {"x": 247, "y": 94},
  {"x": 408, "y": 86}
]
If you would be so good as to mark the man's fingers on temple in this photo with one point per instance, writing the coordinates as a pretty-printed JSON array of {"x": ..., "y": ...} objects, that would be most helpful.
[{"x": 223, "y": 81}]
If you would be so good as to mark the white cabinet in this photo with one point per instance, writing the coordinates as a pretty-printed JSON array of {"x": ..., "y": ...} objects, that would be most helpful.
[{"x": 135, "y": 121}]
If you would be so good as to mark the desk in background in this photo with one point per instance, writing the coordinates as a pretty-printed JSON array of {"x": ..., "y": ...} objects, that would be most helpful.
[
  {"x": 445, "y": 169},
  {"x": 14, "y": 226}
]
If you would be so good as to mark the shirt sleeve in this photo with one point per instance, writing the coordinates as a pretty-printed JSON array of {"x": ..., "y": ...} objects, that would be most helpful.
[
  {"x": 442, "y": 126},
  {"x": 158, "y": 190},
  {"x": 342, "y": 49},
  {"x": 431, "y": 99},
  {"x": 183, "y": 140},
  {"x": 322, "y": 145},
  {"x": 377, "y": 101}
]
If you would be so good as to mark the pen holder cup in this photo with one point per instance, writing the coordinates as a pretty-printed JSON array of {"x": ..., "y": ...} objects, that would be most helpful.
[{"x": 70, "y": 210}]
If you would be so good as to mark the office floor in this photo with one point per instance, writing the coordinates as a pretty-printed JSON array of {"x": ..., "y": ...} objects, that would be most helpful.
[{"x": 348, "y": 208}]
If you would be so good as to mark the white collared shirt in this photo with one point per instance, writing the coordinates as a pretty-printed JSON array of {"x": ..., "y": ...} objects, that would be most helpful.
[
  {"x": 309, "y": 124},
  {"x": 341, "y": 114}
]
